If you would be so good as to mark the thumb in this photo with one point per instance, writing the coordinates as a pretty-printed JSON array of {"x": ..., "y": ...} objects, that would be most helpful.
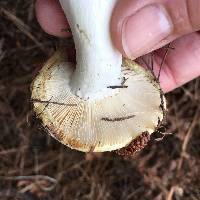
[{"x": 139, "y": 27}]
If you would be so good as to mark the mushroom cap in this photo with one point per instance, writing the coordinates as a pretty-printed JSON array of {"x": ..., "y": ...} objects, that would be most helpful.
[{"x": 98, "y": 125}]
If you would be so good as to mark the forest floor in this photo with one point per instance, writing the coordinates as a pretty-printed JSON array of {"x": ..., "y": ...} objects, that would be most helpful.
[{"x": 34, "y": 166}]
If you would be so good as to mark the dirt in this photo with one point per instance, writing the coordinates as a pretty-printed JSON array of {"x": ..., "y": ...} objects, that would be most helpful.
[{"x": 35, "y": 166}]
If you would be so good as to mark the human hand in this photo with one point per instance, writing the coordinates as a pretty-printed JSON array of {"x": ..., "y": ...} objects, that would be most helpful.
[{"x": 142, "y": 26}]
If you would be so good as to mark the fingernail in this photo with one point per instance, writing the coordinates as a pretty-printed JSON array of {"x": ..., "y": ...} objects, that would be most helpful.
[{"x": 144, "y": 29}]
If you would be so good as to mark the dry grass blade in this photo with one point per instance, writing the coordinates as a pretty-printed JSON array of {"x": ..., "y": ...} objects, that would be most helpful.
[
  {"x": 187, "y": 138},
  {"x": 12, "y": 151},
  {"x": 36, "y": 178},
  {"x": 173, "y": 190},
  {"x": 167, "y": 49},
  {"x": 21, "y": 26}
]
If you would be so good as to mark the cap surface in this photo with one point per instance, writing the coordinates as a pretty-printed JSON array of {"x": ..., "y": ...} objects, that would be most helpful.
[{"x": 98, "y": 125}]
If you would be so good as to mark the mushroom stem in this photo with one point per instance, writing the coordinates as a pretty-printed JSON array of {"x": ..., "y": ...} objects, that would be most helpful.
[{"x": 98, "y": 62}]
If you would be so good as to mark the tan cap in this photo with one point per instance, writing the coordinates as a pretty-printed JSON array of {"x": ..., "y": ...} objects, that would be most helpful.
[{"x": 104, "y": 124}]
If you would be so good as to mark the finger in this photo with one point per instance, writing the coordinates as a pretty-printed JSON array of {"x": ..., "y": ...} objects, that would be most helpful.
[
  {"x": 138, "y": 27},
  {"x": 181, "y": 64},
  {"x": 51, "y": 17}
]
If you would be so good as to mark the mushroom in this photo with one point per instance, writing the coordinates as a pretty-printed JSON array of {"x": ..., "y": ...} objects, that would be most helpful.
[{"x": 104, "y": 102}]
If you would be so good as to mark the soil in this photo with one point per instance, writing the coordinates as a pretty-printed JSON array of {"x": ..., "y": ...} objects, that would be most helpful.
[{"x": 34, "y": 166}]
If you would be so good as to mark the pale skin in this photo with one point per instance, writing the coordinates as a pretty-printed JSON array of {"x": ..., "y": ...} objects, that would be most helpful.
[{"x": 142, "y": 26}]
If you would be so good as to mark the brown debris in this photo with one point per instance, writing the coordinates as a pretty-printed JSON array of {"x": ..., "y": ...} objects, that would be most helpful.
[
  {"x": 117, "y": 119},
  {"x": 136, "y": 145}
]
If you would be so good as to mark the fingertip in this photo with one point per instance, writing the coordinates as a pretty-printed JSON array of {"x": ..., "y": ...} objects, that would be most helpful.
[
  {"x": 116, "y": 24},
  {"x": 51, "y": 17},
  {"x": 132, "y": 30}
]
